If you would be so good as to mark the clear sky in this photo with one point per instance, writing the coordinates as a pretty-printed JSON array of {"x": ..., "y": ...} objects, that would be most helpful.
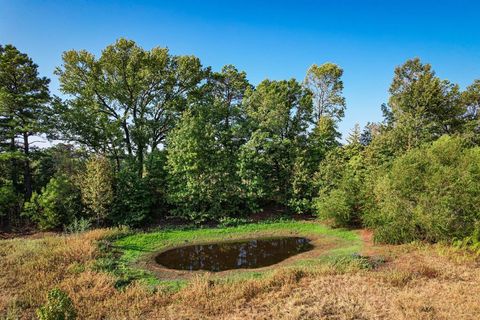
[{"x": 274, "y": 39}]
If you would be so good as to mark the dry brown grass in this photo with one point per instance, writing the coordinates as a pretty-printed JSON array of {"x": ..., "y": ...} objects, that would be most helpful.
[{"x": 417, "y": 282}]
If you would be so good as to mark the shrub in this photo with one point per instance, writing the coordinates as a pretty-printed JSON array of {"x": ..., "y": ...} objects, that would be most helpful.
[
  {"x": 341, "y": 187},
  {"x": 10, "y": 201},
  {"x": 156, "y": 179},
  {"x": 132, "y": 199},
  {"x": 96, "y": 187},
  {"x": 79, "y": 225},
  {"x": 57, "y": 204},
  {"x": 431, "y": 193},
  {"x": 59, "y": 306},
  {"x": 335, "y": 206}
]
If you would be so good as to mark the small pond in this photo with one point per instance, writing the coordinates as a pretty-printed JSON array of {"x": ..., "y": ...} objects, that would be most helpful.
[{"x": 233, "y": 255}]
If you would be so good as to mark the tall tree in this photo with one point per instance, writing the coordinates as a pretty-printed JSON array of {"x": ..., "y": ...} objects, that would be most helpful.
[
  {"x": 126, "y": 101},
  {"x": 471, "y": 104},
  {"x": 228, "y": 88},
  {"x": 203, "y": 150},
  {"x": 326, "y": 86},
  {"x": 201, "y": 183},
  {"x": 422, "y": 106},
  {"x": 279, "y": 113},
  {"x": 96, "y": 187},
  {"x": 24, "y": 109}
]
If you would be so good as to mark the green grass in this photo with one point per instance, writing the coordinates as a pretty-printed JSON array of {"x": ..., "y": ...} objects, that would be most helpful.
[{"x": 132, "y": 248}]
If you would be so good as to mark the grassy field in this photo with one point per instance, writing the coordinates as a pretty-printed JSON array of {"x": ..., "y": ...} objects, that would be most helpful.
[{"x": 104, "y": 273}]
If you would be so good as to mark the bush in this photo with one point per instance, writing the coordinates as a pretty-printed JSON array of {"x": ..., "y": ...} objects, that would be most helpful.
[
  {"x": 59, "y": 306},
  {"x": 132, "y": 200},
  {"x": 79, "y": 225},
  {"x": 341, "y": 187},
  {"x": 431, "y": 193},
  {"x": 10, "y": 201},
  {"x": 335, "y": 207},
  {"x": 156, "y": 179},
  {"x": 57, "y": 204},
  {"x": 96, "y": 187}
]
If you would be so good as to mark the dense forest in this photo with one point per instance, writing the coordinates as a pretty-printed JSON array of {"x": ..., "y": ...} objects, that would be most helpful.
[{"x": 140, "y": 136}]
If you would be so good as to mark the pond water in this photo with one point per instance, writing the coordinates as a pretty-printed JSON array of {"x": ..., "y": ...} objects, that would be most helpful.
[{"x": 233, "y": 255}]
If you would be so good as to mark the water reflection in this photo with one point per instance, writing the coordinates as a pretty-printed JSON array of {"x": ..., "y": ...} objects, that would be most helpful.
[{"x": 233, "y": 255}]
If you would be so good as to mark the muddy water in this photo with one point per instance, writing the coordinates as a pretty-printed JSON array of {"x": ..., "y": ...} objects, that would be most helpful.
[{"x": 233, "y": 255}]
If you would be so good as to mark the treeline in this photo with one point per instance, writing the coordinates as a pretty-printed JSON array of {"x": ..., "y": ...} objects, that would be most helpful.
[{"x": 148, "y": 135}]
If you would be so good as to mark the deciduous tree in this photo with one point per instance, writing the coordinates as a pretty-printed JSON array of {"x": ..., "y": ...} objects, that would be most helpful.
[{"x": 126, "y": 101}]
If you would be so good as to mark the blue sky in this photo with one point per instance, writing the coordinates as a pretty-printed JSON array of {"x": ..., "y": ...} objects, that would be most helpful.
[{"x": 274, "y": 39}]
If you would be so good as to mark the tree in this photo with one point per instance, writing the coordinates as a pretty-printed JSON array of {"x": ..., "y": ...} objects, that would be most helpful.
[
  {"x": 471, "y": 102},
  {"x": 24, "y": 109},
  {"x": 228, "y": 89},
  {"x": 278, "y": 113},
  {"x": 60, "y": 158},
  {"x": 228, "y": 116},
  {"x": 370, "y": 131},
  {"x": 326, "y": 86},
  {"x": 340, "y": 184},
  {"x": 203, "y": 150},
  {"x": 201, "y": 183},
  {"x": 96, "y": 185},
  {"x": 422, "y": 107},
  {"x": 10, "y": 204},
  {"x": 125, "y": 102},
  {"x": 322, "y": 140}
]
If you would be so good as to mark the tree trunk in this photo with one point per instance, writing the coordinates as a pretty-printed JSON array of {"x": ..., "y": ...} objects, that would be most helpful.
[
  {"x": 14, "y": 175},
  {"x": 27, "y": 174},
  {"x": 140, "y": 162},
  {"x": 127, "y": 137}
]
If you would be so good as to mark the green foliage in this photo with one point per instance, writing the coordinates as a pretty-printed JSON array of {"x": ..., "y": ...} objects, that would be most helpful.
[
  {"x": 321, "y": 140},
  {"x": 423, "y": 107},
  {"x": 232, "y": 222},
  {"x": 24, "y": 108},
  {"x": 96, "y": 186},
  {"x": 59, "y": 306},
  {"x": 471, "y": 242},
  {"x": 202, "y": 186},
  {"x": 340, "y": 181},
  {"x": 56, "y": 206},
  {"x": 132, "y": 198},
  {"x": 10, "y": 201},
  {"x": 471, "y": 103},
  {"x": 79, "y": 225},
  {"x": 335, "y": 206},
  {"x": 431, "y": 193},
  {"x": 127, "y": 100},
  {"x": 61, "y": 158},
  {"x": 279, "y": 113},
  {"x": 178, "y": 139},
  {"x": 156, "y": 177},
  {"x": 326, "y": 85},
  {"x": 203, "y": 183}
]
